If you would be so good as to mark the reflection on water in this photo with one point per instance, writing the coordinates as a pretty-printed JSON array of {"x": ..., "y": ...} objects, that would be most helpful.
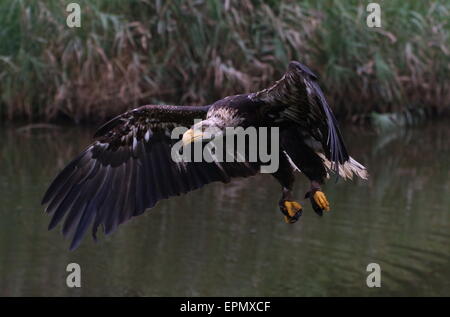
[{"x": 230, "y": 240}]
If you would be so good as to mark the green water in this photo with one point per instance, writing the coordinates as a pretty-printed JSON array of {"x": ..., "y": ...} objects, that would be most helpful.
[{"x": 230, "y": 240}]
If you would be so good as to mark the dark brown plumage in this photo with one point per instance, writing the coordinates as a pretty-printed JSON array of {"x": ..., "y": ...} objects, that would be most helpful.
[{"x": 128, "y": 169}]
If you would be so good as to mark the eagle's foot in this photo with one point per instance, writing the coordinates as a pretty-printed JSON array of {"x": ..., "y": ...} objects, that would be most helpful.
[
  {"x": 292, "y": 210},
  {"x": 319, "y": 201}
]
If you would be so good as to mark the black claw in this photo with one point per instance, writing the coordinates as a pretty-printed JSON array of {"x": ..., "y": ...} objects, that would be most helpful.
[
  {"x": 296, "y": 216},
  {"x": 284, "y": 212},
  {"x": 316, "y": 207},
  {"x": 283, "y": 208}
]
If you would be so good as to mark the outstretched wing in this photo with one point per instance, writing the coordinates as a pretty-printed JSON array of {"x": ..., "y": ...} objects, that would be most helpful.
[
  {"x": 129, "y": 169},
  {"x": 298, "y": 98}
]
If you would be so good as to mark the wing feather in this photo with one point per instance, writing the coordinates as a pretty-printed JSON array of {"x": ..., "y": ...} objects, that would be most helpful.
[
  {"x": 127, "y": 170},
  {"x": 298, "y": 98}
]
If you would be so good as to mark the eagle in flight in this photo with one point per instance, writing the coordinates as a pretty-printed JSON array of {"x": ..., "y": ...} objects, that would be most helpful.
[{"x": 129, "y": 167}]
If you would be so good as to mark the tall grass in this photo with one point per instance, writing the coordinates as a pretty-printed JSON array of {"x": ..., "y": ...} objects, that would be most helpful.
[{"x": 129, "y": 53}]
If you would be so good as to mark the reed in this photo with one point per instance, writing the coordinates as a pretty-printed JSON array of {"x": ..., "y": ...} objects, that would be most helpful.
[{"x": 129, "y": 53}]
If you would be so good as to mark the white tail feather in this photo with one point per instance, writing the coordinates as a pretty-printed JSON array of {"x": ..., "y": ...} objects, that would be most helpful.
[{"x": 348, "y": 169}]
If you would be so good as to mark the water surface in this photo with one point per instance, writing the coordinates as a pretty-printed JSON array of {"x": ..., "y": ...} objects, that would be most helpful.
[{"x": 230, "y": 240}]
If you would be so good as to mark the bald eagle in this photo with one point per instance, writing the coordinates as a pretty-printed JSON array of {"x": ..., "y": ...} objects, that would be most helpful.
[{"x": 129, "y": 168}]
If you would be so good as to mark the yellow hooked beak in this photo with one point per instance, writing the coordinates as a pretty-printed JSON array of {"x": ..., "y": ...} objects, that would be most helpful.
[{"x": 191, "y": 136}]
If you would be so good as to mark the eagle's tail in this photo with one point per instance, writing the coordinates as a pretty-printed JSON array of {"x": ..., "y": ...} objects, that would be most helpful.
[{"x": 348, "y": 169}]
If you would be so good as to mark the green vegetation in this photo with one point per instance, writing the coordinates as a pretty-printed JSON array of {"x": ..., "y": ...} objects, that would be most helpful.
[{"x": 128, "y": 53}]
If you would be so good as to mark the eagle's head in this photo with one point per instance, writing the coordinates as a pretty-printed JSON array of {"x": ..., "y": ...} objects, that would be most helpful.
[{"x": 215, "y": 124}]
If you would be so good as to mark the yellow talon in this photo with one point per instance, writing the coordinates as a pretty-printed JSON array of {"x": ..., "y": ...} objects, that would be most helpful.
[
  {"x": 292, "y": 208},
  {"x": 321, "y": 200}
]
